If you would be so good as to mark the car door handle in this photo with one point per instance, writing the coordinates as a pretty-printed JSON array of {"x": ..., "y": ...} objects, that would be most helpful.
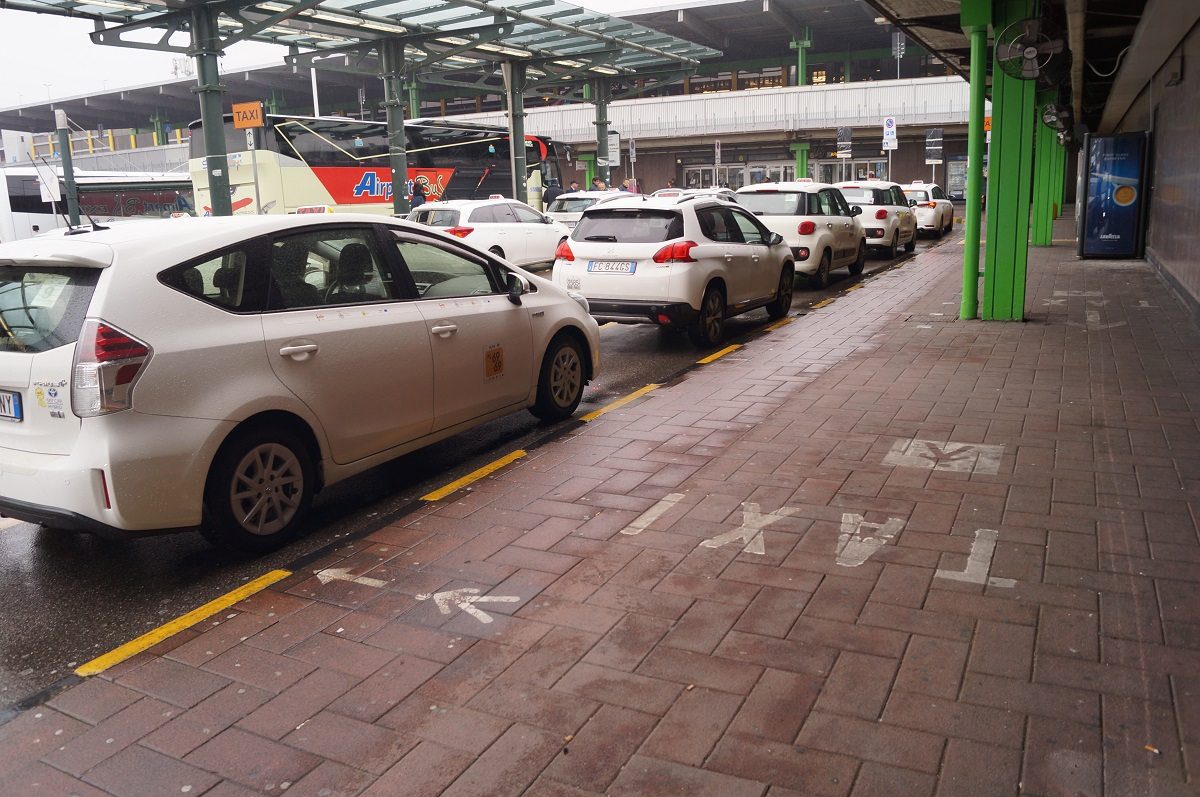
[
  {"x": 755, "y": 258},
  {"x": 829, "y": 224},
  {"x": 728, "y": 256},
  {"x": 299, "y": 349},
  {"x": 444, "y": 330}
]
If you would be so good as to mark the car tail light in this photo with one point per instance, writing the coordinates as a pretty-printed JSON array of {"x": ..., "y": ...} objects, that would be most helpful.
[
  {"x": 881, "y": 214},
  {"x": 664, "y": 319},
  {"x": 678, "y": 252},
  {"x": 460, "y": 232},
  {"x": 107, "y": 364},
  {"x": 931, "y": 204},
  {"x": 563, "y": 252},
  {"x": 807, "y": 228},
  {"x": 802, "y": 253}
]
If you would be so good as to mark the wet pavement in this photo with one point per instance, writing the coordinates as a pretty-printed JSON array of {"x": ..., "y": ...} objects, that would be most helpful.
[{"x": 876, "y": 551}]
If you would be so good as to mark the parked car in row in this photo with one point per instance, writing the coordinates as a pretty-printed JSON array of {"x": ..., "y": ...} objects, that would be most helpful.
[
  {"x": 567, "y": 208},
  {"x": 727, "y": 194},
  {"x": 935, "y": 211},
  {"x": 815, "y": 220},
  {"x": 888, "y": 220},
  {"x": 507, "y": 228},
  {"x": 687, "y": 262},
  {"x": 218, "y": 372}
]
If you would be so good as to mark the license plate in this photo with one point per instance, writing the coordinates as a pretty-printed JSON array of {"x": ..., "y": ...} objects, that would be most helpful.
[
  {"x": 612, "y": 267},
  {"x": 10, "y": 406}
]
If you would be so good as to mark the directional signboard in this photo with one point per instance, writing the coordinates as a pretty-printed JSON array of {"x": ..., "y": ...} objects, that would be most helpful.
[
  {"x": 933, "y": 146},
  {"x": 889, "y": 133},
  {"x": 844, "y": 142}
]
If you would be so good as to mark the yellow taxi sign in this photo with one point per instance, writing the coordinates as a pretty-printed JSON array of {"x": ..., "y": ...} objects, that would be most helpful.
[
  {"x": 987, "y": 124},
  {"x": 248, "y": 114}
]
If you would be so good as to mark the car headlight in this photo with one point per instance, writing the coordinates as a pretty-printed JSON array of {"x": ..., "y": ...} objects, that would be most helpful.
[{"x": 581, "y": 300}]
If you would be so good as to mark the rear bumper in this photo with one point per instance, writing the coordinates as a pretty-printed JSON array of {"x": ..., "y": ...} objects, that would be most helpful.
[
  {"x": 639, "y": 311},
  {"x": 55, "y": 518}
]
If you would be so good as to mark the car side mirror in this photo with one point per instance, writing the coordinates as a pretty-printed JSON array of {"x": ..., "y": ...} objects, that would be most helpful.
[
  {"x": 912, "y": 203},
  {"x": 856, "y": 210},
  {"x": 516, "y": 287},
  {"x": 775, "y": 239}
]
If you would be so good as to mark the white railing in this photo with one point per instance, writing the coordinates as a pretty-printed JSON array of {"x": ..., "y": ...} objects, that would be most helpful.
[{"x": 919, "y": 101}]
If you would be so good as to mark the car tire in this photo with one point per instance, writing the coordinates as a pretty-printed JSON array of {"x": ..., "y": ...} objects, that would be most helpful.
[
  {"x": 893, "y": 250},
  {"x": 912, "y": 243},
  {"x": 561, "y": 380},
  {"x": 497, "y": 251},
  {"x": 860, "y": 262},
  {"x": 709, "y": 328},
  {"x": 950, "y": 225},
  {"x": 254, "y": 469},
  {"x": 783, "y": 295},
  {"x": 819, "y": 279}
]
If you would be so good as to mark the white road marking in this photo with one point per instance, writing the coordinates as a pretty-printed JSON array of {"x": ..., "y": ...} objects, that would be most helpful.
[
  {"x": 1086, "y": 294},
  {"x": 1093, "y": 322},
  {"x": 853, "y": 549},
  {"x": 978, "y": 562},
  {"x": 343, "y": 574},
  {"x": 464, "y": 599},
  {"x": 652, "y": 514},
  {"x": 1144, "y": 305},
  {"x": 754, "y": 520},
  {"x": 936, "y": 455}
]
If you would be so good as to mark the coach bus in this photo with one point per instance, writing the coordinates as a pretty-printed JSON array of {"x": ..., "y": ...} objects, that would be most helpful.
[
  {"x": 104, "y": 195},
  {"x": 343, "y": 163}
]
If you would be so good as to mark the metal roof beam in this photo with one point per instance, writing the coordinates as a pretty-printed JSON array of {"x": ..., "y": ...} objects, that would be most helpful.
[
  {"x": 690, "y": 20},
  {"x": 784, "y": 17}
]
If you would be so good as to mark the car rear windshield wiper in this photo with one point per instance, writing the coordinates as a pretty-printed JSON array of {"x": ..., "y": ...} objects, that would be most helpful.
[{"x": 609, "y": 238}]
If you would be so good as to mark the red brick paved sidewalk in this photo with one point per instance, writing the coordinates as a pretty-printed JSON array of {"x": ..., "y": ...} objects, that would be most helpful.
[{"x": 872, "y": 553}]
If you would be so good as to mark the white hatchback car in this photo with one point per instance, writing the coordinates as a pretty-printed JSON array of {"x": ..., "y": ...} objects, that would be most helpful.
[
  {"x": 816, "y": 222},
  {"x": 505, "y": 227},
  {"x": 218, "y": 372},
  {"x": 887, "y": 218},
  {"x": 935, "y": 211},
  {"x": 676, "y": 262},
  {"x": 567, "y": 208}
]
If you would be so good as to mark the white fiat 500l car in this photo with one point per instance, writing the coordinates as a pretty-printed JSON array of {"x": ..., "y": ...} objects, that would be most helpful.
[
  {"x": 815, "y": 220},
  {"x": 217, "y": 372},
  {"x": 505, "y": 227},
  {"x": 886, "y": 217},
  {"x": 676, "y": 262},
  {"x": 935, "y": 211},
  {"x": 567, "y": 208}
]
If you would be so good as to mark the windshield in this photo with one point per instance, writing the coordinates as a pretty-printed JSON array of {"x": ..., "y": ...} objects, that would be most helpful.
[
  {"x": 920, "y": 196},
  {"x": 42, "y": 308},
  {"x": 435, "y": 218},
  {"x": 571, "y": 204},
  {"x": 773, "y": 203},
  {"x": 629, "y": 226}
]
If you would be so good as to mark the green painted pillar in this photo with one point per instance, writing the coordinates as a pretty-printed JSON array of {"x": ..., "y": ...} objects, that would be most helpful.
[
  {"x": 414, "y": 100},
  {"x": 1045, "y": 189},
  {"x": 975, "y": 16},
  {"x": 514, "y": 89},
  {"x": 206, "y": 48},
  {"x": 801, "y": 46},
  {"x": 589, "y": 170},
  {"x": 391, "y": 70},
  {"x": 1060, "y": 169},
  {"x": 601, "y": 95},
  {"x": 800, "y": 151},
  {"x": 1006, "y": 254}
]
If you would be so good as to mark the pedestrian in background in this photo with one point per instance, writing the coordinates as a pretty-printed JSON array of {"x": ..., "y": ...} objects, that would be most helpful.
[
  {"x": 625, "y": 186},
  {"x": 574, "y": 186},
  {"x": 419, "y": 194},
  {"x": 598, "y": 184}
]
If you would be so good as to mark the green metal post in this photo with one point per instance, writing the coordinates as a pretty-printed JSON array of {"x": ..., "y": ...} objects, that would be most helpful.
[
  {"x": 64, "y": 144},
  {"x": 514, "y": 88},
  {"x": 800, "y": 151},
  {"x": 1006, "y": 254},
  {"x": 1060, "y": 171},
  {"x": 601, "y": 96},
  {"x": 975, "y": 15},
  {"x": 1045, "y": 192},
  {"x": 801, "y": 47},
  {"x": 414, "y": 100},
  {"x": 206, "y": 50},
  {"x": 391, "y": 71}
]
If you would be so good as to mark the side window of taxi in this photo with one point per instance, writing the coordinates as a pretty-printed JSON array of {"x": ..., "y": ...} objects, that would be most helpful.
[
  {"x": 231, "y": 279},
  {"x": 327, "y": 266},
  {"x": 752, "y": 231},
  {"x": 440, "y": 271}
]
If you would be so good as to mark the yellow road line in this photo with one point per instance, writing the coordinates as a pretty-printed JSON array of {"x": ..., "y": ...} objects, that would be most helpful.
[
  {"x": 621, "y": 402},
  {"x": 821, "y": 303},
  {"x": 855, "y": 287},
  {"x": 152, "y": 638},
  {"x": 716, "y": 355},
  {"x": 473, "y": 476},
  {"x": 783, "y": 322}
]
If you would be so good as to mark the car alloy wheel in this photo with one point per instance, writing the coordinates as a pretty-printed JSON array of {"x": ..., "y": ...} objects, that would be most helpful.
[
  {"x": 783, "y": 296},
  {"x": 566, "y": 376},
  {"x": 820, "y": 277},
  {"x": 561, "y": 381},
  {"x": 860, "y": 262},
  {"x": 267, "y": 487},
  {"x": 710, "y": 325},
  {"x": 894, "y": 249}
]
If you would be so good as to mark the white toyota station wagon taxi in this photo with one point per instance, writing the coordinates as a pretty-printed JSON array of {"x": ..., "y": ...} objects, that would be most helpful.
[{"x": 215, "y": 373}]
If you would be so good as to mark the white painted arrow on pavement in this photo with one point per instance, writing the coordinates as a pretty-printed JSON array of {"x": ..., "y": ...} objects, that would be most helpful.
[
  {"x": 652, "y": 514},
  {"x": 754, "y": 520},
  {"x": 464, "y": 599},
  {"x": 979, "y": 562},
  {"x": 853, "y": 548},
  {"x": 343, "y": 574}
]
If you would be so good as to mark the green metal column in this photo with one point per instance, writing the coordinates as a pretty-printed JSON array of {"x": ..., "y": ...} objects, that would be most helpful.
[
  {"x": 801, "y": 47},
  {"x": 975, "y": 16},
  {"x": 1045, "y": 191},
  {"x": 1060, "y": 171},
  {"x": 514, "y": 89},
  {"x": 600, "y": 96},
  {"x": 800, "y": 151},
  {"x": 414, "y": 100},
  {"x": 206, "y": 50},
  {"x": 391, "y": 71},
  {"x": 1007, "y": 252}
]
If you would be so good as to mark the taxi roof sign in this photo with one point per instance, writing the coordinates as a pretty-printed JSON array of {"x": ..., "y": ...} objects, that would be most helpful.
[
  {"x": 248, "y": 114},
  {"x": 314, "y": 209}
]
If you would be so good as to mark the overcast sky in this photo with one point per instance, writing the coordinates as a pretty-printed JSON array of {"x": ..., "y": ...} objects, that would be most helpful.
[{"x": 45, "y": 56}]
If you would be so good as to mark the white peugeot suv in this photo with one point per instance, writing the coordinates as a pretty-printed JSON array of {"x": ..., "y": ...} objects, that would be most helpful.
[
  {"x": 688, "y": 262},
  {"x": 815, "y": 220},
  {"x": 217, "y": 372},
  {"x": 886, "y": 217}
]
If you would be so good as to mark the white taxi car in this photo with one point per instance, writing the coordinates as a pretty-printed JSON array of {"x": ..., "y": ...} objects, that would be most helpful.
[
  {"x": 816, "y": 222},
  {"x": 507, "y": 228},
  {"x": 689, "y": 262},
  {"x": 218, "y": 372},
  {"x": 887, "y": 218},
  {"x": 567, "y": 208},
  {"x": 935, "y": 211}
]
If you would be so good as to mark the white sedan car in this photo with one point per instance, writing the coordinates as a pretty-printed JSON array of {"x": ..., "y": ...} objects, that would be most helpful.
[
  {"x": 218, "y": 372},
  {"x": 935, "y": 211},
  {"x": 816, "y": 222},
  {"x": 568, "y": 208},
  {"x": 676, "y": 262},
  {"x": 887, "y": 218},
  {"x": 505, "y": 227}
]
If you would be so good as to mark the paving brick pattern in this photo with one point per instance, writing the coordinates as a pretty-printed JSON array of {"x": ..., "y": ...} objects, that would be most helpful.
[{"x": 978, "y": 575}]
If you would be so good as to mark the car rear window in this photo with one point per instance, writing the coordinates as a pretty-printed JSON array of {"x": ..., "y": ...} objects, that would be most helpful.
[
  {"x": 633, "y": 226},
  {"x": 920, "y": 196},
  {"x": 865, "y": 196},
  {"x": 573, "y": 205},
  {"x": 435, "y": 218},
  {"x": 774, "y": 203},
  {"x": 42, "y": 308}
]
